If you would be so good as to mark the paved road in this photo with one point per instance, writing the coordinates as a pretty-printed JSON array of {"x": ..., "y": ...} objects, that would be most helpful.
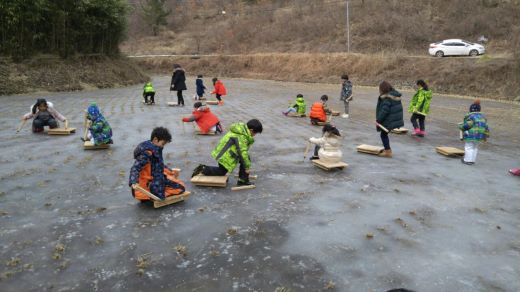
[{"x": 68, "y": 221}]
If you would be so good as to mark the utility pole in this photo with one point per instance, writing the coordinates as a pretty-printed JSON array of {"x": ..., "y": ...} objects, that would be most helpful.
[{"x": 348, "y": 28}]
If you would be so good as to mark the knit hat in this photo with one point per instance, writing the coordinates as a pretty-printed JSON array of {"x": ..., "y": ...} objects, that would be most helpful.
[{"x": 475, "y": 107}]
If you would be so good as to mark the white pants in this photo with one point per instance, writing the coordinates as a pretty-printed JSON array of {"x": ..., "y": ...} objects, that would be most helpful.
[
  {"x": 90, "y": 137},
  {"x": 470, "y": 151}
]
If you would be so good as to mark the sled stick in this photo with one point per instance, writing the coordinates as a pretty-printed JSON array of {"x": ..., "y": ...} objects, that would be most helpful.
[
  {"x": 141, "y": 189},
  {"x": 21, "y": 125},
  {"x": 183, "y": 129},
  {"x": 85, "y": 124},
  {"x": 461, "y": 135},
  {"x": 382, "y": 127},
  {"x": 306, "y": 150}
]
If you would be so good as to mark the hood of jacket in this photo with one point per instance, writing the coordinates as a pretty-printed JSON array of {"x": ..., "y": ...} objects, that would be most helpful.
[
  {"x": 148, "y": 146},
  {"x": 203, "y": 109},
  {"x": 393, "y": 95},
  {"x": 93, "y": 113},
  {"x": 241, "y": 129}
]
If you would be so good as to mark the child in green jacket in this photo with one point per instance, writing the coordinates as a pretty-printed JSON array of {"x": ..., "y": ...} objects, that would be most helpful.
[
  {"x": 299, "y": 106},
  {"x": 232, "y": 150},
  {"x": 420, "y": 107}
]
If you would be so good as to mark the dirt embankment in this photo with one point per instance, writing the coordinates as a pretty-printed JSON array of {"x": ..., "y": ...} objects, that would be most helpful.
[
  {"x": 484, "y": 76},
  {"x": 55, "y": 74}
]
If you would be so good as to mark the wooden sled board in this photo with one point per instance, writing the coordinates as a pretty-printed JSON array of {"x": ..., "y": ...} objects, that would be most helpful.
[
  {"x": 400, "y": 131},
  {"x": 320, "y": 124},
  {"x": 171, "y": 103},
  {"x": 329, "y": 166},
  {"x": 251, "y": 176},
  {"x": 212, "y": 102},
  {"x": 90, "y": 146},
  {"x": 171, "y": 200},
  {"x": 197, "y": 132},
  {"x": 240, "y": 188},
  {"x": 369, "y": 149},
  {"x": 61, "y": 131},
  {"x": 449, "y": 151},
  {"x": 334, "y": 113},
  {"x": 295, "y": 115},
  {"x": 147, "y": 103},
  {"x": 210, "y": 181}
]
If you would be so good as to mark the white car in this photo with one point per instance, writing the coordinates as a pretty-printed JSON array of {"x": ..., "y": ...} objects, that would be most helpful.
[{"x": 455, "y": 47}]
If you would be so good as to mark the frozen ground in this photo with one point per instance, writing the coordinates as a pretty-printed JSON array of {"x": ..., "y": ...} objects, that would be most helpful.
[{"x": 68, "y": 221}]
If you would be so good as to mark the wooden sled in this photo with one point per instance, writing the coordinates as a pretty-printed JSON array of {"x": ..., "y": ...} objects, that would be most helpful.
[
  {"x": 210, "y": 133},
  {"x": 296, "y": 115},
  {"x": 91, "y": 146},
  {"x": 61, "y": 131},
  {"x": 212, "y": 102},
  {"x": 334, "y": 113},
  {"x": 240, "y": 188},
  {"x": 157, "y": 202},
  {"x": 251, "y": 176},
  {"x": 329, "y": 166},
  {"x": 210, "y": 181},
  {"x": 171, "y": 103},
  {"x": 369, "y": 149},
  {"x": 449, "y": 151},
  {"x": 147, "y": 103},
  {"x": 399, "y": 131}
]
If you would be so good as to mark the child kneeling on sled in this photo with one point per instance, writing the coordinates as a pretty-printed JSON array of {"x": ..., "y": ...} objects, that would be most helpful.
[
  {"x": 328, "y": 146},
  {"x": 319, "y": 111},
  {"x": 232, "y": 150},
  {"x": 149, "y": 170},
  {"x": 205, "y": 119},
  {"x": 298, "y": 107},
  {"x": 99, "y": 131}
]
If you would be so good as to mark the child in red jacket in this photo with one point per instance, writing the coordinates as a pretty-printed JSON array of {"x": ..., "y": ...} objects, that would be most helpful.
[
  {"x": 205, "y": 119},
  {"x": 219, "y": 90}
]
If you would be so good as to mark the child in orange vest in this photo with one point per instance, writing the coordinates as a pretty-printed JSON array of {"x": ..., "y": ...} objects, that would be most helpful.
[
  {"x": 219, "y": 90},
  {"x": 204, "y": 118},
  {"x": 319, "y": 111},
  {"x": 149, "y": 170}
]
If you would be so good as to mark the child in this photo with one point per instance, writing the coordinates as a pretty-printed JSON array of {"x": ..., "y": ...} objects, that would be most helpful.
[
  {"x": 149, "y": 91},
  {"x": 219, "y": 90},
  {"x": 178, "y": 83},
  {"x": 420, "y": 107},
  {"x": 99, "y": 131},
  {"x": 389, "y": 114},
  {"x": 149, "y": 170},
  {"x": 475, "y": 129},
  {"x": 298, "y": 107},
  {"x": 319, "y": 111},
  {"x": 199, "y": 83},
  {"x": 204, "y": 118},
  {"x": 327, "y": 147},
  {"x": 44, "y": 114},
  {"x": 232, "y": 150},
  {"x": 346, "y": 94}
]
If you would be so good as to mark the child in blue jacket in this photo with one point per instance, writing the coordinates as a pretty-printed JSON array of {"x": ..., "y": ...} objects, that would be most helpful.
[{"x": 200, "y": 88}]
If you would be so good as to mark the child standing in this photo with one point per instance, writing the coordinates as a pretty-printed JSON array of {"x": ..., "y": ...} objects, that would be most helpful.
[
  {"x": 475, "y": 130},
  {"x": 389, "y": 114},
  {"x": 205, "y": 119},
  {"x": 319, "y": 111},
  {"x": 233, "y": 149},
  {"x": 219, "y": 90},
  {"x": 149, "y": 91},
  {"x": 44, "y": 114},
  {"x": 149, "y": 170},
  {"x": 346, "y": 94},
  {"x": 99, "y": 131},
  {"x": 328, "y": 146},
  {"x": 298, "y": 107},
  {"x": 199, "y": 83},
  {"x": 420, "y": 107}
]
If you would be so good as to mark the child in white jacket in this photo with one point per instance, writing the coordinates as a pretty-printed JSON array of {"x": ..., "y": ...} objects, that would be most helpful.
[{"x": 328, "y": 146}]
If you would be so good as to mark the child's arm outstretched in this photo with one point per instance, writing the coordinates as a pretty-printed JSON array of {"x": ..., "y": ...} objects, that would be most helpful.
[
  {"x": 317, "y": 141},
  {"x": 139, "y": 163}
]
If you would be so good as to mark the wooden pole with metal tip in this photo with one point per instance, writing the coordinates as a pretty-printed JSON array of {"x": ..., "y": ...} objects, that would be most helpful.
[{"x": 306, "y": 150}]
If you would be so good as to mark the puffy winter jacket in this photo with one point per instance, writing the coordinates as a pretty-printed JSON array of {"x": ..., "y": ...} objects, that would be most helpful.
[
  {"x": 178, "y": 80},
  {"x": 200, "y": 87},
  {"x": 219, "y": 89},
  {"x": 420, "y": 102},
  {"x": 233, "y": 147},
  {"x": 50, "y": 108},
  {"x": 330, "y": 147},
  {"x": 389, "y": 111},
  {"x": 475, "y": 127},
  {"x": 204, "y": 118},
  {"x": 99, "y": 128},
  {"x": 148, "y": 88},
  {"x": 318, "y": 111},
  {"x": 300, "y": 105}
]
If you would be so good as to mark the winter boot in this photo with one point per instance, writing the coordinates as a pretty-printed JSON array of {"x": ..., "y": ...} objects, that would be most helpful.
[
  {"x": 416, "y": 131},
  {"x": 386, "y": 153},
  {"x": 422, "y": 133},
  {"x": 515, "y": 171},
  {"x": 198, "y": 170},
  {"x": 244, "y": 182}
]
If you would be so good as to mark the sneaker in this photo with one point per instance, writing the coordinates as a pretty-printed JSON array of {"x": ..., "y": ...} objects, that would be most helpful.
[
  {"x": 244, "y": 182},
  {"x": 198, "y": 170},
  {"x": 345, "y": 116},
  {"x": 515, "y": 171},
  {"x": 466, "y": 162},
  {"x": 314, "y": 157},
  {"x": 416, "y": 131}
]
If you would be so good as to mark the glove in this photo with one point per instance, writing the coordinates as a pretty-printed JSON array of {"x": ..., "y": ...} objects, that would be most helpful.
[{"x": 186, "y": 120}]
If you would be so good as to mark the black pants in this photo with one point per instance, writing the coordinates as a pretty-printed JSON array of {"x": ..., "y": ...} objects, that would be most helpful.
[
  {"x": 151, "y": 95},
  {"x": 219, "y": 97},
  {"x": 316, "y": 149},
  {"x": 385, "y": 140},
  {"x": 180, "y": 98},
  {"x": 221, "y": 171},
  {"x": 38, "y": 124},
  {"x": 415, "y": 118}
]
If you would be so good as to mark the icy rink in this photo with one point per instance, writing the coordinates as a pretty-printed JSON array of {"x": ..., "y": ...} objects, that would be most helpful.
[{"x": 420, "y": 220}]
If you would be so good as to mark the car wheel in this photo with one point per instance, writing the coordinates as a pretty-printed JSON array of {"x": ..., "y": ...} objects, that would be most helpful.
[
  {"x": 439, "y": 54},
  {"x": 473, "y": 53}
]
